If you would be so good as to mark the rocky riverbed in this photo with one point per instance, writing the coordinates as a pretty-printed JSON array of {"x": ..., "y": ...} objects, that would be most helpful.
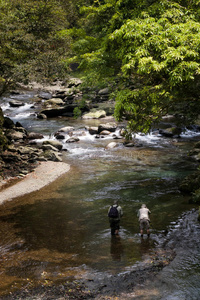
[
  {"x": 145, "y": 281},
  {"x": 123, "y": 286},
  {"x": 26, "y": 161}
]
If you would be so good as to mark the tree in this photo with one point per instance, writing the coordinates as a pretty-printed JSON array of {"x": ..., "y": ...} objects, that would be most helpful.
[
  {"x": 153, "y": 48},
  {"x": 33, "y": 45}
]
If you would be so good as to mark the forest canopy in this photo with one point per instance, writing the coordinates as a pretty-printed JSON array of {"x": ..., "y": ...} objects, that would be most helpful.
[{"x": 147, "y": 51}]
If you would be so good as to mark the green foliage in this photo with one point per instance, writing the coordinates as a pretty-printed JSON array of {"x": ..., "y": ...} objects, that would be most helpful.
[
  {"x": 153, "y": 48},
  {"x": 196, "y": 196},
  {"x": 148, "y": 51},
  {"x": 77, "y": 112},
  {"x": 163, "y": 56},
  {"x": 78, "y": 109},
  {"x": 32, "y": 44}
]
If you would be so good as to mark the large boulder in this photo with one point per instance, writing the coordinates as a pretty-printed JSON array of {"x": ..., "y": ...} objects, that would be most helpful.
[
  {"x": 111, "y": 145},
  {"x": 41, "y": 116},
  {"x": 170, "y": 132},
  {"x": 59, "y": 136},
  {"x": 112, "y": 126},
  {"x": 66, "y": 129},
  {"x": 92, "y": 130},
  {"x": 97, "y": 114},
  {"x": 26, "y": 150},
  {"x": 54, "y": 102},
  {"x": 16, "y": 103},
  {"x": 67, "y": 111},
  {"x": 73, "y": 140},
  {"x": 54, "y": 143},
  {"x": 190, "y": 183},
  {"x": 8, "y": 123},
  {"x": 51, "y": 155},
  {"x": 34, "y": 136},
  {"x": 105, "y": 132},
  {"x": 15, "y": 135},
  {"x": 48, "y": 147},
  {"x": 63, "y": 93}
]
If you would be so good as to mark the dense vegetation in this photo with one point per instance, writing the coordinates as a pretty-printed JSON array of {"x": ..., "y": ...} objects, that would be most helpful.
[{"x": 147, "y": 51}]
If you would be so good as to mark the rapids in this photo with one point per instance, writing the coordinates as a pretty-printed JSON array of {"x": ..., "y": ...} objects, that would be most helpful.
[{"x": 62, "y": 233}]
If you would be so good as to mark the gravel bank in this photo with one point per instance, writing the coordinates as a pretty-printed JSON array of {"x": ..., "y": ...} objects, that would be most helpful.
[{"x": 43, "y": 175}]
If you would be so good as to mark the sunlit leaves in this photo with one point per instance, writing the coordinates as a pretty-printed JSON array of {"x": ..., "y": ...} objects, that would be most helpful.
[
  {"x": 164, "y": 50},
  {"x": 154, "y": 49},
  {"x": 140, "y": 107}
]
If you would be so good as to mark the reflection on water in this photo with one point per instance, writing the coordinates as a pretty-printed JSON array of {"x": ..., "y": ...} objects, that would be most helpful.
[{"x": 116, "y": 248}]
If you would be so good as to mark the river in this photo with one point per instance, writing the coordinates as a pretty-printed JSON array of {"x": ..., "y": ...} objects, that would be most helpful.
[{"x": 62, "y": 233}]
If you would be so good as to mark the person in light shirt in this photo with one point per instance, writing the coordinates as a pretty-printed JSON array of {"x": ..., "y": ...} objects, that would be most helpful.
[{"x": 144, "y": 220}]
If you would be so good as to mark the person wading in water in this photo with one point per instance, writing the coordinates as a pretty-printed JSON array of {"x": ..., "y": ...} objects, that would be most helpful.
[
  {"x": 143, "y": 215},
  {"x": 115, "y": 213}
]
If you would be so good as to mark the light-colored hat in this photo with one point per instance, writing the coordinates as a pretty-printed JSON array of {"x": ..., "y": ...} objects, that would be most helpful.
[{"x": 143, "y": 206}]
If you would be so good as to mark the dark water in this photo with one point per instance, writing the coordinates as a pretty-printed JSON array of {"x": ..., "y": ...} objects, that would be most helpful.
[{"x": 61, "y": 232}]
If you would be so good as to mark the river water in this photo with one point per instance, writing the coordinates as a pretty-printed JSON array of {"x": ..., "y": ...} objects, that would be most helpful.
[{"x": 62, "y": 233}]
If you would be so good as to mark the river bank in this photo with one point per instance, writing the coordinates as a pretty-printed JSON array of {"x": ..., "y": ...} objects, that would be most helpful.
[{"x": 44, "y": 174}]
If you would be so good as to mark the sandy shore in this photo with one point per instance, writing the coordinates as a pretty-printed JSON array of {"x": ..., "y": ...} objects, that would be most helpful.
[{"x": 44, "y": 174}]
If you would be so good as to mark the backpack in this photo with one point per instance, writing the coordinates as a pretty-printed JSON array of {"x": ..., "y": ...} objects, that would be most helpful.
[{"x": 113, "y": 213}]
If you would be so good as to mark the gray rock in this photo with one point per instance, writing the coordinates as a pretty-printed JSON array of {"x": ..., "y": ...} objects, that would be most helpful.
[
  {"x": 60, "y": 136},
  {"x": 16, "y": 103},
  {"x": 97, "y": 114},
  {"x": 34, "y": 136},
  {"x": 111, "y": 145},
  {"x": 105, "y": 132},
  {"x": 170, "y": 132},
  {"x": 104, "y": 91},
  {"x": 108, "y": 126},
  {"x": 66, "y": 129},
  {"x": 54, "y": 143},
  {"x": 54, "y": 101},
  {"x": 72, "y": 140},
  {"x": 15, "y": 135},
  {"x": 53, "y": 156},
  {"x": 41, "y": 116},
  {"x": 26, "y": 150},
  {"x": 93, "y": 130},
  {"x": 49, "y": 147}
]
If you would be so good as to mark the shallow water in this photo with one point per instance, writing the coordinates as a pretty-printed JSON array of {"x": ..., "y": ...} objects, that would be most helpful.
[{"x": 61, "y": 232}]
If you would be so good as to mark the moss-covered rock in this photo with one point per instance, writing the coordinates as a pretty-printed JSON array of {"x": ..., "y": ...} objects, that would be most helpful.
[
  {"x": 196, "y": 196},
  {"x": 191, "y": 183}
]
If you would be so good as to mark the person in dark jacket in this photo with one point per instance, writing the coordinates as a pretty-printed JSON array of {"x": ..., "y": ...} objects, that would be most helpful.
[{"x": 115, "y": 213}]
